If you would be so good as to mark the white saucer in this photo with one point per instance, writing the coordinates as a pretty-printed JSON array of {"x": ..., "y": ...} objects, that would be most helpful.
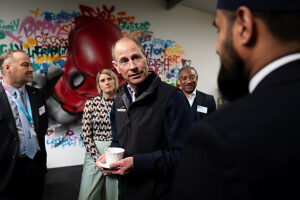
[{"x": 104, "y": 165}]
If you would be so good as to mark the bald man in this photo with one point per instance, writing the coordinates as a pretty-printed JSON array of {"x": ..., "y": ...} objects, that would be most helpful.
[
  {"x": 23, "y": 125},
  {"x": 148, "y": 120}
]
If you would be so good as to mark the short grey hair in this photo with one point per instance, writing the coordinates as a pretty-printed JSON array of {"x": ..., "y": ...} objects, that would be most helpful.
[
  {"x": 7, "y": 55},
  {"x": 188, "y": 67}
]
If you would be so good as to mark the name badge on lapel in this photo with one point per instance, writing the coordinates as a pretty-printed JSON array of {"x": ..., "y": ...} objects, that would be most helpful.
[
  {"x": 42, "y": 110},
  {"x": 122, "y": 109},
  {"x": 202, "y": 109}
]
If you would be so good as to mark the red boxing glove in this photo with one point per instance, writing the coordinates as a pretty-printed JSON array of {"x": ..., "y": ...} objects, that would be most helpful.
[{"x": 89, "y": 52}]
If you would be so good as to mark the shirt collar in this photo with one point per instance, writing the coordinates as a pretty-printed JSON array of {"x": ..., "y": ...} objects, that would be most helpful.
[
  {"x": 193, "y": 93},
  {"x": 12, "y": 89},
  {"x": 131, "y": 92},
  {"x": 260, "y": 75}
]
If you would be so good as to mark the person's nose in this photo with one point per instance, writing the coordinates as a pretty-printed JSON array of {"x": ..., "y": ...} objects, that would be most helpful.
[
  {"x": 30, "y": 68},
  {"x": 132, "y": 65},
  {"x": 189, "y": 80}
]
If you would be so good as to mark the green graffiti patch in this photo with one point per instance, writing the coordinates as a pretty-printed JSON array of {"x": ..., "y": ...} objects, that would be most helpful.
[{"x": 2, "y": 35}]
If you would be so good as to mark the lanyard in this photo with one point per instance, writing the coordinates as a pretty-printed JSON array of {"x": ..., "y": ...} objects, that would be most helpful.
[
  {"x": 27, "y": 114},
  {"x": 108, "y": 114}
]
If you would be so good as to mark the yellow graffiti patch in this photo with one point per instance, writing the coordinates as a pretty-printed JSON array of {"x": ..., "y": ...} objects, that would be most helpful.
[{"x": 44, "y": 59}]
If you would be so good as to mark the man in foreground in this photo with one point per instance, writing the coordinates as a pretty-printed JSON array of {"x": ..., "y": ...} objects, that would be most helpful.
[
  {"x": 250, "y": 148},
  {"x": 148, "y": 120}
]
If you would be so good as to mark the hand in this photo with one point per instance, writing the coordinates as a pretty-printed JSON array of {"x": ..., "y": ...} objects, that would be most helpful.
[
  {"x": 101, "y": 159},
  {"x": 121, "y": 167}
]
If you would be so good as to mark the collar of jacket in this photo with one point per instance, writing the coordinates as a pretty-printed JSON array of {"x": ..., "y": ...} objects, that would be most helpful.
[{"x": 143, "y": 89}]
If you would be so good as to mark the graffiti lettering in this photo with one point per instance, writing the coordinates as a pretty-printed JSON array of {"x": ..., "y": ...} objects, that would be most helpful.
[
  {"x": 153, "y": 51},
  {"x": 157, "y": 64},
  {"x": 106, "y": 14},
  {"x": 4, "y": 48},
  {"x": 62, "y": 17},
  {"x": 11, "y": 27},
  {"x": 142, "y": 36},
  {"x": 46, "y": 51},
  {"x": 121, "y": 17},
  {"x": 32, "y": 27},
  {"x": 44, "y": 66},
  {"x": 65, "y": 142},
  {"x": 135, "y": 27},
  {"x": 44, "y": 40},
  {"x": 173, "y": 59},
  {"x": 177, "y": 50},
  {"x": 2, "y": 35},
  {"x": 164, "y": 43}
]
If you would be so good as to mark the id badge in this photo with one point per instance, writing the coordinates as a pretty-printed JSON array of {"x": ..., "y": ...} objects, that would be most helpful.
[{"x": 32, "y": 132}]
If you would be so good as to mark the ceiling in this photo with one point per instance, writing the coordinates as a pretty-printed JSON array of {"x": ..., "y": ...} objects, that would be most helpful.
[{"x": 202, "y": 5}]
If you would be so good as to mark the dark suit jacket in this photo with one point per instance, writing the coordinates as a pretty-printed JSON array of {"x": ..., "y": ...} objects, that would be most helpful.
[
  {"x": 249, "y": 149},
  {"x": 9, "y": 141},
  {"x": 204, "y": 101}
]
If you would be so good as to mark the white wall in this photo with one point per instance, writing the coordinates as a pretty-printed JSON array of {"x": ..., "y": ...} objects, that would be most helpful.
[
  {"x": 198, "y": 38},
  {"x": 189, "y": 29}
]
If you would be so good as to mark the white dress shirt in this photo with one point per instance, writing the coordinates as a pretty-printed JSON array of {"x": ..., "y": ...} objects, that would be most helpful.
[
  {"x": 260, "y": 75},
  {"x": 131, "y": 92},
  {"x": 192, "y": 98}
]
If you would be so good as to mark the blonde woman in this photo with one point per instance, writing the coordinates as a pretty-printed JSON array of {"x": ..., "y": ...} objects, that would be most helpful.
[{"x": 96, "y": 135}]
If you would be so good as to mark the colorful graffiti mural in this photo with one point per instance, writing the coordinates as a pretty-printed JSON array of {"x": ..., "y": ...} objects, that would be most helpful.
[{"x": 64, "y": 47}]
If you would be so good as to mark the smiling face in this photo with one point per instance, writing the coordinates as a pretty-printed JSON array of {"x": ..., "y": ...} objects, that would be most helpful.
[
  {"x": 188, "y": 80},
  {"x": 17, "y": 70},
  {"x": 107, "y": 85},
  {"x": 130, "y": 62}
]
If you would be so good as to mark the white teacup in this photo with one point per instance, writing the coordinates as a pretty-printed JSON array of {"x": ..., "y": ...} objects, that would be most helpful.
[{"x": 113, "y": 154}]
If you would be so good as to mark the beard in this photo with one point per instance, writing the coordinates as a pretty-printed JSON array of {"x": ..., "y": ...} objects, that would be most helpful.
[
  {"x": 232, "y": 78},
  {"x": 192, "y": 87}
]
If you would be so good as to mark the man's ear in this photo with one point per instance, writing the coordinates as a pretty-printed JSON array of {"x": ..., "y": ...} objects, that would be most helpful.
[
  {"x": 146, "y": 54},
  {"x": 6, "y": 67},
  {"x": 244, "y": 29},
  {"x": 116, "y": 66}
]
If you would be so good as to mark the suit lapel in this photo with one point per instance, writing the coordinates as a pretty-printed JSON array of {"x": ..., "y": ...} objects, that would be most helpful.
[
  {"x": 6, "y": 111},
  {"x": 194, "y": 106}
]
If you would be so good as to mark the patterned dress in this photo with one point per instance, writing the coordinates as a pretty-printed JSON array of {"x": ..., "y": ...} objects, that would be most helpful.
[{"x": 96, "y": 124}]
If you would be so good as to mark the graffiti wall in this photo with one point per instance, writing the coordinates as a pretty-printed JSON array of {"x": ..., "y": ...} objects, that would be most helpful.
[{"x": 68, "y": 45}]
